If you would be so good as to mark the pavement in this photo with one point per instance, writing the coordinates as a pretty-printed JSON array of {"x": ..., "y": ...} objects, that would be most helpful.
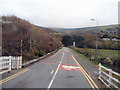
[{"x": 64, "y": 69}]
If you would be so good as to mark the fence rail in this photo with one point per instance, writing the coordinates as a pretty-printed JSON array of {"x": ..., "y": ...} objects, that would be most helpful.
[
  {"x": 106, "y": 76},
  {"x": 5, "y": 64},
  {"x": 10, "y": 62},
  {"x": 16, "y": 62}
]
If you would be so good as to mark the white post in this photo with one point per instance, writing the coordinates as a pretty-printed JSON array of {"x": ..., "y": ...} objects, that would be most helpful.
[
  {"x": 17, "y": 58},
  {"x": 9, "y": 62},
  {"x": 74, "y": 43},
  {"x": 12, "y": 62},
  {"x": 99, "y": 70},
  {"x": 110, "y": 75},
  {"x": 15, "y": 63},
  {"x": 20, "y": 61},
  {"x": 1, "y": 62}
]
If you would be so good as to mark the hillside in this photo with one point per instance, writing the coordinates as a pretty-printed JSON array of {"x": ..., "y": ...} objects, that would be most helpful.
[
  {"x": 35, "y": 40},
  {"x": 109, "y": 29}
]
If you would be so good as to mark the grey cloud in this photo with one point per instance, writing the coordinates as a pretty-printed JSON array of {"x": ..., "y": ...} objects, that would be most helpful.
[{"x": 62, "y": 13}]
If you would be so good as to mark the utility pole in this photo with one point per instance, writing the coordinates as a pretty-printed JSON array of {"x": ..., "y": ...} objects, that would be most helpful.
[
  {"x": 96, "y": 39},
  {"x": 21, "y": 47}
]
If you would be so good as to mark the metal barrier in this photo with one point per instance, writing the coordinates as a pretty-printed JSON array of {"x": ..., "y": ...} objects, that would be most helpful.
[{"x": 109, "y": 77}]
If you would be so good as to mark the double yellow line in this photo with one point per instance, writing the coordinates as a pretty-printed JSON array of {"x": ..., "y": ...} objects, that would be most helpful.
[
  {"x": 91, "y": 82},
  {"x": 13, "y": 76}
]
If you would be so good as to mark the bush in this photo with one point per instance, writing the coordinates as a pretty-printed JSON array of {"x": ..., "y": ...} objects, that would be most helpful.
[{"x": 108, "y": 61}]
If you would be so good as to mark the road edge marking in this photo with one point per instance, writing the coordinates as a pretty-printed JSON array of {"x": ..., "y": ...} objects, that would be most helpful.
[
  {"x": 55, "y": 54},
  {"x": 84, "y": 72},
  {"x": 13, "y": 76}
]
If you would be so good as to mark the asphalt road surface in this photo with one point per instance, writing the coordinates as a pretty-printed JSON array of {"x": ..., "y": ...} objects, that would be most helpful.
[{"x": 60, "y": 70}]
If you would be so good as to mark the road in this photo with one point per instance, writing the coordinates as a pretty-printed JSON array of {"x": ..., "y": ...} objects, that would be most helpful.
[{"x": 60, "y": 70}]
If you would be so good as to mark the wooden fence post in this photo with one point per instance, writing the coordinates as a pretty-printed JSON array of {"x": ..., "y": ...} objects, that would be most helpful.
[
  {"x": 10, "y": 62},
  {"x": 20, "y": 61},
  {"x": 110, "y": 75},
  {"x": 13, "y": 62},
  {"x": 100, "y": 70},
  {"x": 17, "y": 59}
]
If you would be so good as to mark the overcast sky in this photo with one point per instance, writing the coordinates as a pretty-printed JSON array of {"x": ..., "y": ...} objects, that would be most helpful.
[{"x": 62, "y": 13}]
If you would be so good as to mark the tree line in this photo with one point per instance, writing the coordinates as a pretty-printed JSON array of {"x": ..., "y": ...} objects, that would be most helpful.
[{"x": 89, "y": 41}]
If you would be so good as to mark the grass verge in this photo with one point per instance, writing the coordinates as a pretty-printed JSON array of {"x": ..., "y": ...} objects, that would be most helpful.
[{"x": 86, "y": 58}]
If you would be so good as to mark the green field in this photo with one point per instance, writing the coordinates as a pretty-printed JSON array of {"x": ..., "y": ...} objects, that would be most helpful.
[
  {"x": 106, "y": 53},
  {"x": 103, "y": 53},
  {"x": 102, "y": 56},
  {"x": 56, "y": 33}
]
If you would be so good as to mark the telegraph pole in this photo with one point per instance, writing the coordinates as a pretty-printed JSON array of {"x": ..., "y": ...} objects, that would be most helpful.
[
  {"x": 21, "y": 47},
  {"x": 96, "y": 39}
]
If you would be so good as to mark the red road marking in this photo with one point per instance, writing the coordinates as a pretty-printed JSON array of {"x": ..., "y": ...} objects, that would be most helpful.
[
  {"x": 58, "y": 63},
  {"x": 49, "y": 63},
  {"x": 67, "y": 61},
  {"x": 52, "y": 60},
  {"x": 63, "y": 60},
  {"x": 69, "y": 64},
  {"x": 69, "y": 67}
]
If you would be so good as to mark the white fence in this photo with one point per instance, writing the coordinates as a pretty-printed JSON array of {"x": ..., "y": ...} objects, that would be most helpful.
[
  {"x": 5, "y": 64},
  {"x": 107, "y": 76},
  {"x": 16, "y": 62},
  {"x": 9, "y": 62}
]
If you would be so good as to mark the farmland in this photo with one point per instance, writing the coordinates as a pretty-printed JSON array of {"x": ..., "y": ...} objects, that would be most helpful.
[{"x": 108, "y": 58}]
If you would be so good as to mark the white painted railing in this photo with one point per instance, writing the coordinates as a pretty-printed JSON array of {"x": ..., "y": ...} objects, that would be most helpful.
[
  {"x": 9, "y": 62},
  {"x": 5, "y": 64},
  {"x": 106, "y": 76},
  {"x": 16, "y": 62}
]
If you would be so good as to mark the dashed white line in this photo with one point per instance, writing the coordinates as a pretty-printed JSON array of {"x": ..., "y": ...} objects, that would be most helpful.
[
  {"x": 52, "y": 71},
  {"x": 51, "y": 82}
]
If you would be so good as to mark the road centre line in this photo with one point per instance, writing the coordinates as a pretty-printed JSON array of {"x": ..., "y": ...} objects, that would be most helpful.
[
  {"x": 13, "y": 76},
  {"x": 86, "y": 75},
  {"x": 51, "y": 82},
  {"x": 52, "y": 71}
]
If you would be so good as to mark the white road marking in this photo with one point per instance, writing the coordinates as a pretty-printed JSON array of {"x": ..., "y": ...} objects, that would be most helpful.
[
  {"x": 71, "y": 67},
  {"x": 52, "y": 71},
  {"x": 51, "y": 82}
]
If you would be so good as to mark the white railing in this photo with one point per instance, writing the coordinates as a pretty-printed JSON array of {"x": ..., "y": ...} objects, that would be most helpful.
[
  {"x": 106, "y": 76},
  {"x": 9, "y": 62},
  {"x": 16, "y": 62},
  {"x": 5, "y": 64}
]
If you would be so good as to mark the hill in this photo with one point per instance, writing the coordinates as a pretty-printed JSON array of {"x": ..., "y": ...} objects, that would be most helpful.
[
  {"x": 35, "y": 40},
  {"x": 109, "y": 29}
]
